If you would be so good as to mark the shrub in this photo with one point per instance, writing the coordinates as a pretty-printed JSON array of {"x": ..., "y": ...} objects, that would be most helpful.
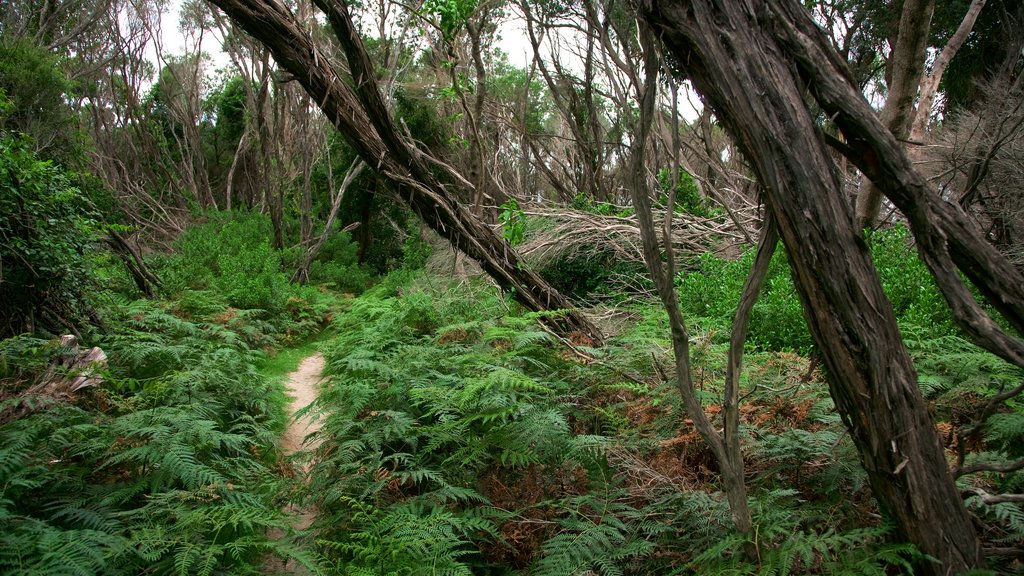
[
  {"x": 710, "y": 292},
  {"x": 46, "y": 227},
  {"x": 588, "y": 276},
  {"x": 225, "y": 271},
  {"x": 202, "y": 250},
  {"x": 687, "y": 197},
  {"x": 338, "y": 265},
  {"x": 908, "y": 283},
  {"x": 252, "y": 278}
]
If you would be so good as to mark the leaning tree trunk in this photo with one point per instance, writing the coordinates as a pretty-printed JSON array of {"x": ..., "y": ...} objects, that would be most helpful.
[
  {"x": 728, "y": 50},
  {"x": 360, "y": 114}
]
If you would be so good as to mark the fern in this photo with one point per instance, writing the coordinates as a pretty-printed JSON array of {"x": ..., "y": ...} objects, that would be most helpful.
[
  {"x": 1006, "y": 519},
  {"x": 787, "y": 547}
]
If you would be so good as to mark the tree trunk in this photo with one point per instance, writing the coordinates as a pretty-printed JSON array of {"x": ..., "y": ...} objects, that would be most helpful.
[
  {"x": 930, "y": 83},
  {"x": 140, "y": 273},
  {"x": 367, "y": 124},
  {"x": 906, "y": 66},
  {"x": 301, "y": 274},
  {"x": 742, "y": 70},
  {"x": 726, "y": 446}
]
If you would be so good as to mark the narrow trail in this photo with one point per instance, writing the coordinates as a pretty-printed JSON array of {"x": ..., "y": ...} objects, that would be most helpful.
[{"x": 303, "y": 386}]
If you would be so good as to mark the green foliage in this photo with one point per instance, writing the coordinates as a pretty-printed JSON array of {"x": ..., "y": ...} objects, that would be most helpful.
[
  {"x": 252, "y": 279},
  {"x": 687, "y": 197},
  {"x": 710, "y": 292},
  {"x": 579, "y": 276},
  {"x": 789, "y": 547},
  {"x": 591, "y": 273},
  {"x": 908, "y": 283},
  {"x": 583, "y": 202},
  {"x": 451, "y": 14},
  {"x": 508, "y": 83},
  {"x": 416, "y": 250},
  {"x": 474, "y": 446},
  {"x": 337, "y": 265},
  {"x": 513, "y": 222},
  {"x": 36, "y": 87},
  {"x": 46, "y": 228},
  {"x": 165, "y": 469},
  {"x": 425, "y": 400},
  {"x": 225, "y": 271},
  {"x": 421, "y": 116},
  {"x": 229, "y": 103}
]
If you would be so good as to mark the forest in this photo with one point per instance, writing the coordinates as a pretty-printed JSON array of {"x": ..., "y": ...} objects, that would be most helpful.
[{"x": 574, "y": 288}]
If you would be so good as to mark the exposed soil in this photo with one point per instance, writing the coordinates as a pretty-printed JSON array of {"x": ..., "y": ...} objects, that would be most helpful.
[{"x": 303, "y": 386}]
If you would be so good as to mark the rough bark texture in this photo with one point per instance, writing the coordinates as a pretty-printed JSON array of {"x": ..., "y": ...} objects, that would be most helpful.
[
  {"x": 729, "y": 51},
  {"x": 947, "y": 239},
  {"x": 358, "y": 111},
  {"x": 737, "y": 339}
]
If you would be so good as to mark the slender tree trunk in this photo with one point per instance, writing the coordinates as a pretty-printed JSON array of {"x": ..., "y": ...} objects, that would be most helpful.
[
  {"x": 906, "y": 66},
  {"x": 726, "y": 449},
  {"x": 733, "y": 58},
  {"x": 301, "y": 274},
  {"x": 241, "y": 149},
  {"x": 269, "y": 181},
  {"x": 359, "y": 113},
  {"x": 930, "y": 82}
]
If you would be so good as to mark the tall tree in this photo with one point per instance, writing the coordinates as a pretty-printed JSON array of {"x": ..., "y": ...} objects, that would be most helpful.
[
  {"x": 725, "y": 445},
  {"x": 753, "y": 60},
  {"x": 931, "y": 80}
]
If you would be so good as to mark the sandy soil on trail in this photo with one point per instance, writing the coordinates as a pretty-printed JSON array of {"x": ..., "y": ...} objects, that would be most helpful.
[{"x": 303, "y": 386}]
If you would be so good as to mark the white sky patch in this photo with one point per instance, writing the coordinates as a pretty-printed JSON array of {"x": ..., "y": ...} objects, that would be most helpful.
[{"x": 513, "y": 41}]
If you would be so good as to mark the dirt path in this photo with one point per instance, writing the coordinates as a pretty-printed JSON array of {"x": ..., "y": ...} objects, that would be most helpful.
[{"x": 303, "y": 386}]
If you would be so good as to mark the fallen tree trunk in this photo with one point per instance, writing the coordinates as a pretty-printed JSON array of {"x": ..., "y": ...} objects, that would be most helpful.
[
  {"x": 359, "y": 114},
  {"x": 73, "y": 370},
  {"x": 144, "y": 279}
]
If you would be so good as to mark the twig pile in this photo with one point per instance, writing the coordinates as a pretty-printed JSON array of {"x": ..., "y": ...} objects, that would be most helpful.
[{"x": 576, "y": 233}]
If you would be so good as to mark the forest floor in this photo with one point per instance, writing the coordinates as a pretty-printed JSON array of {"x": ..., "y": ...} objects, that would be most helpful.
[{"x": 303, "y": 386}]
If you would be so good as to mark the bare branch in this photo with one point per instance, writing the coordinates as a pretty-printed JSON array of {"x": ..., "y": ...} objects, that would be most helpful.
[{"x": 993, "y": 498}]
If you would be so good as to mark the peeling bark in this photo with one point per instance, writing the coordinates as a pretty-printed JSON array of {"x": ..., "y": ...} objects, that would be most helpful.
[{"x": 732, "y": 52}]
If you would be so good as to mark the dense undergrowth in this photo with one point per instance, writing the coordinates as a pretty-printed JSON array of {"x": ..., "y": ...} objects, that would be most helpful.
[
  {"x": 458, "y": 436},
  {"x": 170, "y": 466},
  {"x": 461, "y": 438}
]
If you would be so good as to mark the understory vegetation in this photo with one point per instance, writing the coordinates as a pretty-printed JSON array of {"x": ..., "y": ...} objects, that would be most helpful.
[
  {"x": 461, "y": 438},
  {"x": 170, "y": 465},
  {"x": 599, "y": 288},
  {"x": 459, "y": 435}
]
